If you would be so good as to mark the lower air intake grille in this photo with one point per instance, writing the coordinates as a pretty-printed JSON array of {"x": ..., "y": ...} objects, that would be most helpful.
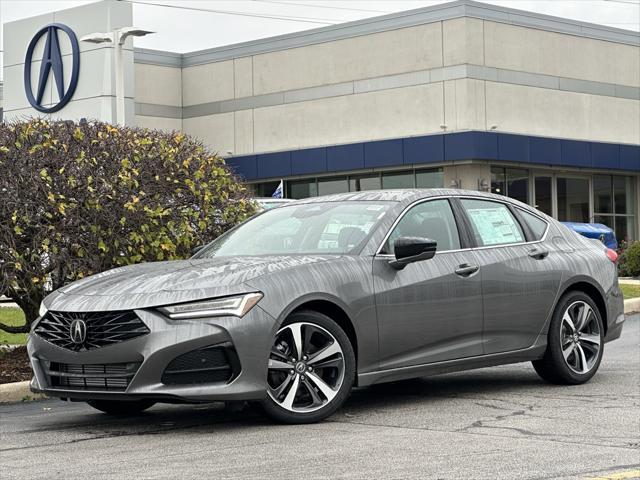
[
  {"x": 111, "y": 376},
  {"x": 215, "y": 364}
]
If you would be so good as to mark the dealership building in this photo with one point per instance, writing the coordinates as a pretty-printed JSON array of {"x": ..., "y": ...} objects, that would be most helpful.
[{"x": 462, "y": 94}]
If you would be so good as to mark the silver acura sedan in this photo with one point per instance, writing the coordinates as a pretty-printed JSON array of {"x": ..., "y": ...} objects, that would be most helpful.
[{"x": 299, "y": 304}]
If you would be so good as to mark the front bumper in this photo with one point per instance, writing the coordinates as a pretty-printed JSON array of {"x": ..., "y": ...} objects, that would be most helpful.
[{"x": 250, "y": 336}]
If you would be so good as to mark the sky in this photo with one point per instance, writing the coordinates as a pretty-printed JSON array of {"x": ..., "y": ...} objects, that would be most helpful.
[{"x": 189, "y": 25}]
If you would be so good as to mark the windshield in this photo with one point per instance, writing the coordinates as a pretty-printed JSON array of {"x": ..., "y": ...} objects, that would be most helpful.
[{"x": 311, "y": 228}]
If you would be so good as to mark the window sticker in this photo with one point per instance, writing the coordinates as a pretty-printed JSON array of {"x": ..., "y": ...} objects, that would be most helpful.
[{"x": 495, "y": 225}]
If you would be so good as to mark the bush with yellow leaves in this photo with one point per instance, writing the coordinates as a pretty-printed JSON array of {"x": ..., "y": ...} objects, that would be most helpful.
[{"x": 77, "y": 199}]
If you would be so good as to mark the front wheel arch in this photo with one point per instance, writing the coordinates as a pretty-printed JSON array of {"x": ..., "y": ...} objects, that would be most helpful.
[{"x": 335, "y": 313}]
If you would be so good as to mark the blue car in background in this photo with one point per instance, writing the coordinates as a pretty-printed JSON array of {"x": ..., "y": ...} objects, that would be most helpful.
[{"x": 595, "y": 230}]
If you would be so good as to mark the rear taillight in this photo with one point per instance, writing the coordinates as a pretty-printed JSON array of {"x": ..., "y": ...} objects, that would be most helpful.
[{"x": 612, "y": 255}]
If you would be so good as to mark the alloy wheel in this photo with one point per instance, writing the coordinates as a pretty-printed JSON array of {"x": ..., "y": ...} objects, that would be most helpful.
[
  {"x": 306, "y": 367},
  {"x": 580, "y": 337}
]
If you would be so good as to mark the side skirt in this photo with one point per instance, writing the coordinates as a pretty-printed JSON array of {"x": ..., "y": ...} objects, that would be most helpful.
[{"x": 534, "y": 352}]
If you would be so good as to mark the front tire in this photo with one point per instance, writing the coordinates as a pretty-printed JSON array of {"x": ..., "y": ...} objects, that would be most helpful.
[
  {"x": 575, "y": 342},
  {"x": 311, "y": 369},
  {"x": 121, "y": 407}
]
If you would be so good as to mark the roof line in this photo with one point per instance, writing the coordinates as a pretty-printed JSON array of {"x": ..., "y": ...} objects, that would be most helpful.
[{"x": 407, "y": 18}]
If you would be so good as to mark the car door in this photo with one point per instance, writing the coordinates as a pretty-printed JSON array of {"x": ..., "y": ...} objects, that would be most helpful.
[
  {"x": 519, "y": 283},
  {"x": 431, "y": 310}
]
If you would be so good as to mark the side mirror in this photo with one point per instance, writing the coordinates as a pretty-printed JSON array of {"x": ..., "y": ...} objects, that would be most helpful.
[
  {"x": 197, "y": 249},
  {"x": 412, "y": 249}
]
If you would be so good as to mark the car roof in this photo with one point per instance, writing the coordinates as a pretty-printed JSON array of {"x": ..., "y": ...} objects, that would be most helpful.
[
  {"x": 402, "y": 195},
  {"x": 410, "y": 195}
]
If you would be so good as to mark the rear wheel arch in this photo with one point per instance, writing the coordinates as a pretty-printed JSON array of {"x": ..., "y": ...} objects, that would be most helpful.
[{"x": 594, "y": 293}]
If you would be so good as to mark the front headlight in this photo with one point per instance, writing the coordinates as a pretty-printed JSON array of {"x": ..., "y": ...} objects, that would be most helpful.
[
  {"x": 43, "y": 310},
  {"x": 236, "y": 306}
]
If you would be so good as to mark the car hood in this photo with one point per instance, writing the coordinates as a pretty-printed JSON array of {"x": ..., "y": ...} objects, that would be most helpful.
[{"x": 161, "y": 283}]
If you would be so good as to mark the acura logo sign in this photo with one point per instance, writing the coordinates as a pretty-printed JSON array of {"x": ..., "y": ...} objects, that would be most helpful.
[
  {"x": 78, "y": 331},
  {"x": 52, "y": 63}
]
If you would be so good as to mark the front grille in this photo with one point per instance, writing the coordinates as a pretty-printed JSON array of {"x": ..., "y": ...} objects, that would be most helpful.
[
  {"x": 213, "y": 364},
  {"x": 110, "y": 376},
  {"x": 100, "y": 329}
]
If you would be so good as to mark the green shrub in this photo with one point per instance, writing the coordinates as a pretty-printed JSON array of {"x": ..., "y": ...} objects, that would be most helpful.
[
  {"x": 77, "y": 199},
  {"x": 629, "y": 261}
]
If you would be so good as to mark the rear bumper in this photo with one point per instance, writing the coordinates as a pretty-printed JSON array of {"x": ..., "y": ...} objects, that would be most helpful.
[
  {"x": 615, "y": 313},
  {"x": 250, "y": 337}
]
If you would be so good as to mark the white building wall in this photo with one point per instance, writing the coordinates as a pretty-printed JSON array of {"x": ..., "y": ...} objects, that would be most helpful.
[
  {"x": 208, "y": 83},
  {"x": 158, "y": 93},
  {"x": 366, "y": 56},
  {"x": 158, "y": 85},
  {"x": 458, "y": 74},
  {"x": 552, "y": 113},
  {"x": 549, "y": 53}
]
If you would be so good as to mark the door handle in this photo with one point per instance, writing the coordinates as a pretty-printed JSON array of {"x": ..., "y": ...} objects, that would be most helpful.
[
  {"x": 466, "y": 270},
  {"x": 538, "y": 253}
]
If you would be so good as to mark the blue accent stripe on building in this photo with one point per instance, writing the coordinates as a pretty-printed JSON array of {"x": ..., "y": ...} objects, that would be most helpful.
[
  {"x": 420, "y": 150},
  {"x": 440, "y": 148},
  {"x": 345, "y": 157}
]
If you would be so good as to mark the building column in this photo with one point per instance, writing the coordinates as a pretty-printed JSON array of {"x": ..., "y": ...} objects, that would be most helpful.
[{"x": 468, "y": 175}]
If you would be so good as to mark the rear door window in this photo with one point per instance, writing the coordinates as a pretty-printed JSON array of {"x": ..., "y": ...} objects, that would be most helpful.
[
  {"x": 492, "y": 223},
  {"x": 536, "y": 224}
]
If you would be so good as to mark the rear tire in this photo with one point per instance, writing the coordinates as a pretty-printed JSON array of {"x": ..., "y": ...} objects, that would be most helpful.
[
  {"x": 311, "y": 369},
  {"x": 121, "y": 407},
  {"x": 574, "y": 343}
]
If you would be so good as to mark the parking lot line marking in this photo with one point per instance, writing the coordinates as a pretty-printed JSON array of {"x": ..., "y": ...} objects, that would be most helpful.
[{"x": 626, "y": 475}]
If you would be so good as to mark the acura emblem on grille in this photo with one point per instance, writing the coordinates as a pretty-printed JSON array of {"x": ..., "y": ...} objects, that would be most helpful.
[{"x": 78, "y": 331}]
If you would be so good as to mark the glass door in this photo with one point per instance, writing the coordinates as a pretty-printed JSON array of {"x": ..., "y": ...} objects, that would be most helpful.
[
  {"x": 543, "y": 193},
  {"x": 574, "y": 199}
]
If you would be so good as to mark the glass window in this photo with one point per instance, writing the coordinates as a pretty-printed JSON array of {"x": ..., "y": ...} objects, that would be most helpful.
[
  {"x": 606, "y": 220},
  {"x": 327, "y": 186},
  {"x": 492, "y": 223},
  {"x": 537, "y": 225},
  {"x": 510, "y": 182},
  {"x": 431, "y": 219},
  {"x": 265, "y": 189},
  {"x": 430, "y": 178},
  {"x": 364, "y": 182},
  {"x": 518, "y": 184},
  {"x": 397, "y": 180},
  {"x": 623, "y": 193},
  {"x": 622, "y": 228},
  {"x": 302, "y": 189},
  {"x": 602, "y": 194},
  {"x": 627, "y": 231},
  {"x": 311, "y": 228},
  {"x": 498, "y": 181},
  {"x": 543, "y": 194},
  {"x": 573, "y": 199},
  {"x": 614, "y": 201}
]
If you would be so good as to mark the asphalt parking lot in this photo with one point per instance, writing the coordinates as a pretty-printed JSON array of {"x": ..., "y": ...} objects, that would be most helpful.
[{"x": 494, "y": 423}]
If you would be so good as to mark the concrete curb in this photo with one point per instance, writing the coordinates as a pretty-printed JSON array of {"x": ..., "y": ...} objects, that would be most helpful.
[
  {"x": 18, "y": 392},
  {"x": 632, "y": 305}
]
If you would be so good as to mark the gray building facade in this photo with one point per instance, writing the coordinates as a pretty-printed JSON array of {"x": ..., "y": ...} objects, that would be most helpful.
[{"x": 463, "y": 94}]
